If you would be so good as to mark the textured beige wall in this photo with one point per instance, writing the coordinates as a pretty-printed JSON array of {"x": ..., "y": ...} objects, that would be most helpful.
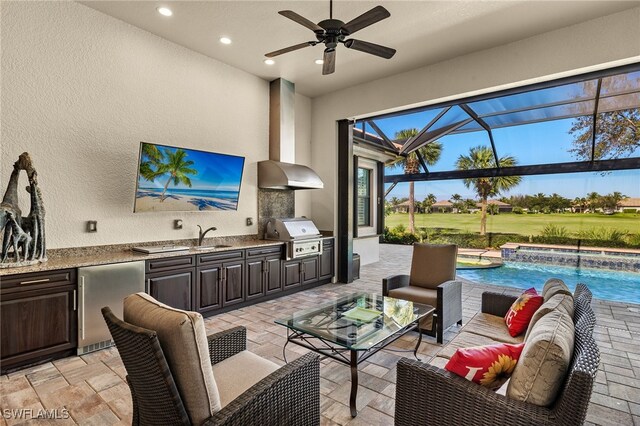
[
  {"x": 80, "y": 90},
  {"x": 599, "y": 43}
]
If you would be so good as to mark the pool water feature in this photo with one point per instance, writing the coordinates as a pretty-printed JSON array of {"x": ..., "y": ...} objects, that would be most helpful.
[{"x": 604, "y": 284}]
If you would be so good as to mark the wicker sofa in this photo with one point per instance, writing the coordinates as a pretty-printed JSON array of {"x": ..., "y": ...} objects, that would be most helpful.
[{"x": 455, "y": 400}]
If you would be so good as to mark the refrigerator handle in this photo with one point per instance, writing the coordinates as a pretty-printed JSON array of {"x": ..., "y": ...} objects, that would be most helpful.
[{"x": 81, "y": 288}]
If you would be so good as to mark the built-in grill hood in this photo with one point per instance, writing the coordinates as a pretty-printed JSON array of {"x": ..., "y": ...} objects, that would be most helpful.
[
  {"x": 278, "y": 175},
  {"x": 279, "y": 172}
]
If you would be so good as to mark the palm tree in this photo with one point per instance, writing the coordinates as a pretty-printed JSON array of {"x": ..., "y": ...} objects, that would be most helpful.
[
  {"x": 456, "y": 202},
  {"x": 593, "y": 199},
  {"x": 581, "y": 203},
  {"x": 430, "y": 154},
  {"x": 150, "y": 161},
  {"x": 481, "y": 157},
  {"x": 428, "y": 202},
  {"x": 178, "y": 168}
]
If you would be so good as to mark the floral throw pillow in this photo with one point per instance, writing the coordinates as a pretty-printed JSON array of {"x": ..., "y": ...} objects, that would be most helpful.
[
  {"x": 521, "y": 311},
  {"x": 489, "y": 366}
]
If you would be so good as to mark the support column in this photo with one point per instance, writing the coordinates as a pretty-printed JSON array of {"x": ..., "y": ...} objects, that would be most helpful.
[{"x": 345, "y": 201}]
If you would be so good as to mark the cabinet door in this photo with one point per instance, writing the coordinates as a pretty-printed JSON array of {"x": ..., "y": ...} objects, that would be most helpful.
[
  {"x": 172, "y": 288},
  {"x": 255, "y": 277},
  {"x": 274, "y": 274},
  {"x": 310, "y": 270},
  {"x": 233, "y": 283},
  {"x": 36, "y": 324},
  {"x": 292, "y": 273},
  {"x": 327, "y": 262},
  {"x": 208, "y": 289}
]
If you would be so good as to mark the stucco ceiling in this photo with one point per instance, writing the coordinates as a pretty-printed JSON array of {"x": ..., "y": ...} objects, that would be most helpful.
[{"x": 423, "y": 32}]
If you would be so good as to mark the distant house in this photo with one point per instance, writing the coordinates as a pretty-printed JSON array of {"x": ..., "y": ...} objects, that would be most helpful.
[
  {"x": 403, "y": 207},
  {"x": 502, "y": 207},
  {"x": 442, "y": 206},
  {"x": 631, "y": 203}
]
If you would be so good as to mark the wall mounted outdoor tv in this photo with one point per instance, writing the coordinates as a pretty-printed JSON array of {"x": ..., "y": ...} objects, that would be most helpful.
[{"x": 180, "y": 179}]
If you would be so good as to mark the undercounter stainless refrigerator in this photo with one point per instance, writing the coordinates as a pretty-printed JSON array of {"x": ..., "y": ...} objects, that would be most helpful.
[{"x": 99, "y": 286}]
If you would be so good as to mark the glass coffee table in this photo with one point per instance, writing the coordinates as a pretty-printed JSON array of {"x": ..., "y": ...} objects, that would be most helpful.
[{"x": 352, "y": 328}]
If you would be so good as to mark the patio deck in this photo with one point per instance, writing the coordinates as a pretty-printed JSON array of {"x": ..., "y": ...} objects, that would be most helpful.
[{"x": 91, "y": 387}]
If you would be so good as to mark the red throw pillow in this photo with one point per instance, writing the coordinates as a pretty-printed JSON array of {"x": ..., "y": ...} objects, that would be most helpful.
[
  {"x": 520, "y": 313},
  {"x": 488, "y": 366}
]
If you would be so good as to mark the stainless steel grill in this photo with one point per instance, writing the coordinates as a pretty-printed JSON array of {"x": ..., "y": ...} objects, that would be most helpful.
[{"x": 301, "y": 236}]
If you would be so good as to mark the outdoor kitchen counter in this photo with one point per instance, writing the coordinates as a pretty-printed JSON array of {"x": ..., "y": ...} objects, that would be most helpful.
[{"x": 102, "y": 255}]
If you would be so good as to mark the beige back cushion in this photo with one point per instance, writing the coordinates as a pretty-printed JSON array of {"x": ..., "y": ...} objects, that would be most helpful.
[
  {"x": 184, "y": 342},
  {"x": 554, "y": 286},
  {"x": 562, "y": 302},
  {"x": 544, "y": 361},
  {"x": 431, "y": 264}
]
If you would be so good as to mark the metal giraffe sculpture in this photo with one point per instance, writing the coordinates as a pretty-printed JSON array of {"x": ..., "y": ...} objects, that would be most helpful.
[{"x": 24, "y": 234}]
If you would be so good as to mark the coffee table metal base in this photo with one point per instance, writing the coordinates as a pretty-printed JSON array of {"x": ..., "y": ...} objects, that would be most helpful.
[{"x": 346, "y": 356}]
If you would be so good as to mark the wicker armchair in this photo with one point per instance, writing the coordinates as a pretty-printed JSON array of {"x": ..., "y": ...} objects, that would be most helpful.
[
  {"x": 288, "y": 396},
  {"x": 432, "y": 282},
  {"x": 454, "y": 400}
]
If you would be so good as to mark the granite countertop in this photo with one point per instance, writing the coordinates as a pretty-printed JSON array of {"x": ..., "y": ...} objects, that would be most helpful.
[{"x": 103, "y": 255}]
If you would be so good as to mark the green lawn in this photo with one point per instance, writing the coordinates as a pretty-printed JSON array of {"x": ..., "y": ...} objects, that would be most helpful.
[{"x": 524, "y": 224}]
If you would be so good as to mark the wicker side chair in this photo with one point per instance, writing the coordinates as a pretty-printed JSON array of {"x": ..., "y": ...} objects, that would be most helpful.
[
  {"x": 432, "y": 281},
  {"x": 288, "y": 396},
  {"x": 455, "y": 400}
]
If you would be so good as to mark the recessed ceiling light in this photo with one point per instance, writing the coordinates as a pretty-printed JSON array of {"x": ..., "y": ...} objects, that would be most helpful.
[
  {"x": 225, "y": 40},
  {"x": 269, "y": 61},
  {"x": 165, "y": 11},
  {"x": 319, "y": 61}
]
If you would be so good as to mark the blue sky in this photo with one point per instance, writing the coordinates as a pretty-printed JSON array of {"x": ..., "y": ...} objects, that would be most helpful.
[
  {"x": 539, "y": 143},
  {"x": 215, "y": 171}
]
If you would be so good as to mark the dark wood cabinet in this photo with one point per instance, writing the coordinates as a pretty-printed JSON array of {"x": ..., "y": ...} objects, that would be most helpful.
[
  {"x": 255, "y": 278},
  {"x": 309, "y": 270},
  {"x": 233, "y": 288},
  {"x": 273, "y": 274},
  {"x": 208, "y": 289},
  {"x": 327, "y": 259},
  {"x": 174, "y": 288},
  {"x": 38, "y": 318},
  {"x": 292, "y": 274},
  {"x": 264, "y": 271}
]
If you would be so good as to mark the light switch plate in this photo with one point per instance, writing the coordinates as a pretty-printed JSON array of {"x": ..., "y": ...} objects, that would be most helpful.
[{"x": 92, "y": 226}]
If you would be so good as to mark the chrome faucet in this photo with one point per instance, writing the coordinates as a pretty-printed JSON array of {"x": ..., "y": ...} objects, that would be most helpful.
[{"x": 202, "y": 233}]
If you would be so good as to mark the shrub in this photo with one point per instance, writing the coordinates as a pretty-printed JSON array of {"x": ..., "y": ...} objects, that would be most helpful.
[
  {"x": 632, "y": 211},
  {"x": 603, "y": 234},
  {"x": 552, "y": 230},
  {"x": 633, "y": 240},
  {"x": 517, "y": 210},
  {"x": 399, "y": 235},
  {"x": 546, "y": 210}
]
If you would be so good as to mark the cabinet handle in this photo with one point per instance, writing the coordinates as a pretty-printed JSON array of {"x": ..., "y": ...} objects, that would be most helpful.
[
  {"x": 82, "y": 305},
  {"x": 43, "y": 280},
  {"x": 75, "y": 300}
]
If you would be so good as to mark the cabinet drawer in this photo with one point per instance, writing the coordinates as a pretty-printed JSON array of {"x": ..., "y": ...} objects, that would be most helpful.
[
  {"x": 38, "y": 280},
  {"x": 264, "y": 251},
  {"x": 328, "y": 242},
  {"x": 223, "y": 256},
  {"x": 170, "y": 263}
]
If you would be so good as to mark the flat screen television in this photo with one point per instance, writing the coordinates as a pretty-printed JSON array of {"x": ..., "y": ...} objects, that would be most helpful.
[{"x": 179, "y": 179}]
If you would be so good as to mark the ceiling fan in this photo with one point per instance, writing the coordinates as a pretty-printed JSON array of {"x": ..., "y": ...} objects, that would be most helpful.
[{"x": 331, "y": 31}]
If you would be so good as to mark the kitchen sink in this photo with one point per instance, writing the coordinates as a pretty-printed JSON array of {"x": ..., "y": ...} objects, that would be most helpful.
[{"x": 216, "y": 246}]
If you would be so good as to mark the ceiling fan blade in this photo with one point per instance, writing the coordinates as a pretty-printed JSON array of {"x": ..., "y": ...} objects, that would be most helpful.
[
  {"x": 329, "y": 61},
  {"x": 371, "y": 48},
  {"x": 301, "y": 20},
  {"x": 376, "y": 14},
  {"x": 289, "y": 49}
]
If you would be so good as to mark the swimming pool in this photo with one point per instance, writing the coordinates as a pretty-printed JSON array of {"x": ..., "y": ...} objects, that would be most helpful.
[{"x": 608, "y": 285}]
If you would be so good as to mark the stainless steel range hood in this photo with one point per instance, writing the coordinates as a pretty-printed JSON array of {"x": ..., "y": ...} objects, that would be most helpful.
[
  {"x": 278, "y": 175},
  {"x": 279, "y": 172}
]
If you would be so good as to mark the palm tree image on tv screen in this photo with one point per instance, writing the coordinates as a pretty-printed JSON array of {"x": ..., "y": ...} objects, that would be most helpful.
[{"x": 180, "y": 179}]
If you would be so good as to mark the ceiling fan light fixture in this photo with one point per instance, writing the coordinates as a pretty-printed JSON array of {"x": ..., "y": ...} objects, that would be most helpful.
[
  {"x": 269, "y": 61},
  {"x": 319, "y": 61},
  {"x": 225, "y": 40},
  {"x": 164, "y": 11}
]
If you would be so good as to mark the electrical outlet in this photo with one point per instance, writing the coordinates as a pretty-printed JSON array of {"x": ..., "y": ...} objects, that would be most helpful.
[
  {"x": 249, "y": 221},
  {"x": 92, "y": 226},
  {"x": 177, "y": 224}
]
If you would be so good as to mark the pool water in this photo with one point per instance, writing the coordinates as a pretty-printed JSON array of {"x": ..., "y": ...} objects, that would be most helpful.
[{"x": 608, "y": 285}]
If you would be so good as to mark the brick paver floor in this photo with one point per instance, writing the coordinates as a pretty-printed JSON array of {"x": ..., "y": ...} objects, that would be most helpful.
[{"x": 91, "y": 387}]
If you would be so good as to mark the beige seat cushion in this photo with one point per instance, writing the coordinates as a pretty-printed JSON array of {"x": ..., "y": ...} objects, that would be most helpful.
[
  {"x": 544, "y": 361},
  {"x": 439, "y": 362},
  {"x": 559, "y": 301},
  {"x": 433, "y": 264},
  {"x": 419, "y": 295},
  {"x": 465, "y": 340},
  {"x": 491, "y": 326},
  {"x": 238, "y": 373},
  {"x": 554, "y": 286},
  {"x": 184, "y": 342}
]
